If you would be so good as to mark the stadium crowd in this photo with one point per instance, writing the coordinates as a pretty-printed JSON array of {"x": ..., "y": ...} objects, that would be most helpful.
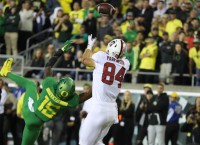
[{"x": 161, "y": 36}]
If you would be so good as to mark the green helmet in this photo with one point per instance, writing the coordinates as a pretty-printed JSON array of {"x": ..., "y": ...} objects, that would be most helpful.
[{"x": 65, "y": 89}]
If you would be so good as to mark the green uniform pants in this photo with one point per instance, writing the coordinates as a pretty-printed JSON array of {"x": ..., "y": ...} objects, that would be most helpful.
[{"x": 32, "y": 123}]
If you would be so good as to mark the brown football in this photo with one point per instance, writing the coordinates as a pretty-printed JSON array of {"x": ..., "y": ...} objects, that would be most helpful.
[{"x": 105, "y": 8}]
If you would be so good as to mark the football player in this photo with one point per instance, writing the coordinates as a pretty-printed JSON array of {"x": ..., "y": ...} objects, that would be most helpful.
[
  {"x": 54, "y": 99},
  {"x": 109, "y": 70}
]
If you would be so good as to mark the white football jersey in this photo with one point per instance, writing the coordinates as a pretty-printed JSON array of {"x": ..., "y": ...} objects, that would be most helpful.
[{"x": 107, "y": 76}]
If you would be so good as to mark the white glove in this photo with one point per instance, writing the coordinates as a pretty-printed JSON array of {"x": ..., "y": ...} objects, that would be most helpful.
[{"x": 91, "y": 42}]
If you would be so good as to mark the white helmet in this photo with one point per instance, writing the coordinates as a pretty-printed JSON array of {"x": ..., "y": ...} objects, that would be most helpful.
[{"x": 116, "y": 48}]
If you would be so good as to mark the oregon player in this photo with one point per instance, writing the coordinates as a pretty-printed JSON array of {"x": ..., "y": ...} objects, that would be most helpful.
[{"x": 54, "y": 98}]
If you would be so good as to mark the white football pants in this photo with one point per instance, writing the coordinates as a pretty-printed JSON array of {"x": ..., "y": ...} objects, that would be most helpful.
[{"x": 97, "y": 123}]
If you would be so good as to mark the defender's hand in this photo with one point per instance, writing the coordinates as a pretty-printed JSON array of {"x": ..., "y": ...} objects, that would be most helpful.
[
  {"x": 91, "y": 42},
  {"x": 6, "y": 67},
  {"x": 67, "y": 46}
]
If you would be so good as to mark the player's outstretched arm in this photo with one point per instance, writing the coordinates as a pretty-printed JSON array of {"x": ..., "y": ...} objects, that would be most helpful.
[
  {"x": 85, "y": 96},
  {"x": 86, "y": 58},
  {"x": 66, "y": 47},
  {"x": 6, "y": 72}
]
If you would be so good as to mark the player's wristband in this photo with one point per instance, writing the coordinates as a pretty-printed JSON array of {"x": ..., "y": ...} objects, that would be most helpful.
[{"x": 89, "y": 47}]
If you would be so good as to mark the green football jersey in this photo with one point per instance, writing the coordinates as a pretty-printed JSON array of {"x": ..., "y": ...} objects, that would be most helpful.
[{"x": 48, "y": 105}]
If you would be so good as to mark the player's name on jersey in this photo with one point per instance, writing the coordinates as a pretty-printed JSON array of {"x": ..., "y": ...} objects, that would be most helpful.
[
  {"x": 120, "y": 61},
  {"x": 55, "y": 98}
]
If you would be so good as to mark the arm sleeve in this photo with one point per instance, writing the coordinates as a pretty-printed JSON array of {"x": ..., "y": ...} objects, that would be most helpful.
[
  {"x": 55, "y": 57},
  {"x": 96, "y": 57},
  {"x": 21, "y": 81}
]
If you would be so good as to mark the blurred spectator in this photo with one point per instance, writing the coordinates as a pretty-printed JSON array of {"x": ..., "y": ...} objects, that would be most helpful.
[
  {"x": 195, "y": 25},
  {"x": 138, "y": 44},
  {"x": 80, "y": 39},
  {"x": 117, "y": 16},
  {"x": 2, "y": 24},
  {"x": 191, "y": 126},
  {"x": 90, "y": 24},
  {"x": 52, "y": 5},
  {"x": 182, "y": 40},
  {"x": 126, "y": 121},
  {"x": 63, "y": 28},
  {"x": 173, "y": 23},
  {"x": 39, "y": 19},
  {"x": 147, "y": 12},
  {"x": 155, "y": 34},
  {"x": 184, "y": 14},
  {"x": 174, "y": 113},
  {"x": 10, "y": 117},
  {"x": 78, "y": 65},
  {"x": 166, "y": 50},
  {"x": 162, "y": 24},
  {"x": 10, "y": 5},
  {"x": 132, "y": 8},
  {"x": 197, "y": 6},
  {"x": 124, "y": 6},
  {"x": 38, "y": 61},
  {"x": 148, "y": 60},
  {"x": 26, "y": 24},
  {"x": 192, "y": 15},
  {"x": 118, "y": 33},
  {"x": 180, "y": 63},
  {"x": 3, "y": 97},
  {"x": 157, "y": 110},
  {"x": 131, "y": 32},
  {"x": 190, "y": 38},
  {"x": 87, "y": 104},
  {"x": 130, "y": 56},
  {"x": 73, "y": 125},
  {"x": 56, "y": 15},
  {"x": 174, "y": 7},
  {"x": 12, "y": 20},
  {"x": 129, "y": 19},
  {"x": 90, "y": 8},
  {"x": 194, "y": 58},
  {"x": 141, "y": 115},
  {"x": 66, "y": 62},
  {"x": 104, "y": 28},
  {"x": 18, "y": 91},
  {"x": 161, "y": 8},
  {"x": 50, "y": 52},
  {"x": 76, "y": 18},
  {"x": 104, "y": 43},
  {"x": 66, "y": 5}
]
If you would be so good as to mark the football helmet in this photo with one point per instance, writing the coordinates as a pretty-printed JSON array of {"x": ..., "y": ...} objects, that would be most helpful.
[
  {"x": 65, "y": 89},
  {"x": 116, "y": 48}
]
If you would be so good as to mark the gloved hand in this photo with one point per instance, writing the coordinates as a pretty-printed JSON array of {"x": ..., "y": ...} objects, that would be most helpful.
[
  {"x": 6, "y": 67},
  {"x": 67, "y": 46},
  {"x": 91, "y": 42}
]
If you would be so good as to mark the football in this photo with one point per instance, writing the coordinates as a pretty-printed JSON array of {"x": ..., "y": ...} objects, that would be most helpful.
[{"x": 105, "y": 8}]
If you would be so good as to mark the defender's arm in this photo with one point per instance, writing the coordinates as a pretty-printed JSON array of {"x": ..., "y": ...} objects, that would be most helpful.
[
  {"x": 52, "y": 61},
  {"x": 85, "y": 96}
]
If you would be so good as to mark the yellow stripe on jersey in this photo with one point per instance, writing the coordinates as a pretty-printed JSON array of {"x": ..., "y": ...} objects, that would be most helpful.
[{"x": 56, "y": 99}]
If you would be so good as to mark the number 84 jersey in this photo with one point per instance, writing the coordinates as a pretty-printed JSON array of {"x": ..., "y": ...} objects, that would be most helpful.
[{"x": 108, "y": 76}]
